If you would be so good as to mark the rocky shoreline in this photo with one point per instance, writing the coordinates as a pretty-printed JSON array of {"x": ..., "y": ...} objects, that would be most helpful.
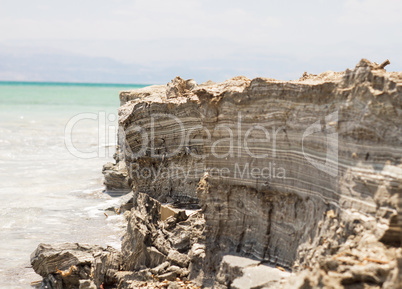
[{"x": 252, "y": 184}]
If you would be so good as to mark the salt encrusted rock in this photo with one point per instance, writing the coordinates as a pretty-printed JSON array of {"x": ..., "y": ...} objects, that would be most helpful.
[
  {"x": 179, "y": 259},
  {"x": 330, "y": 168},
  {"x": 116, "y": 178},
  {"x": 301, "y": 175},
  {"x": 68, "y": 265},
  {"x": 155, "y": 91},
  {"x": 160, "y": 269},
  {"x": 369, "y": 263},
  {"x": 179, "y": 87},
  {"x": 150, "y": 242}
]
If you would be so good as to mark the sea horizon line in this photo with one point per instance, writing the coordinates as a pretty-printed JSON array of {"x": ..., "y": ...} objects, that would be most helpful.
[{"x": 67, "y": 83}]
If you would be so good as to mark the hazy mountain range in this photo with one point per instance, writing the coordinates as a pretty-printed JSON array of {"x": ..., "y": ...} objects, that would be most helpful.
[{"x": 26, "y": 64}]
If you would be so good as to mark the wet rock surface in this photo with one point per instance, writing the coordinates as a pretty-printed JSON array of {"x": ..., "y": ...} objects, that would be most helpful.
[{"x": 258, "y": 184}]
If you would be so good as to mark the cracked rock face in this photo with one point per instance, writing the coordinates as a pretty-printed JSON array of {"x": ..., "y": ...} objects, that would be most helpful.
[
  {"x": 75, "y": 265},
  {"x": 163, "y": 246},
  {"x": 116, "y": 179},
  {"x": 285, "y": 172},
  {"x": 263, "y": 177}
]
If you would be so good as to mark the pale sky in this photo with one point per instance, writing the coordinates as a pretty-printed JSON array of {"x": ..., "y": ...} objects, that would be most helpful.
[{"x": 153, "y": 41}]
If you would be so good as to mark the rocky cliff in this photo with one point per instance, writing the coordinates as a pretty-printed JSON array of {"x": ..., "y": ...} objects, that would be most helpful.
[{"x": 263, "y": 183}]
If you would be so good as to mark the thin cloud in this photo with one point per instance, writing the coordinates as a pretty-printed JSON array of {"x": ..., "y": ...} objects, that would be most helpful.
[
  {"x": 209, "y": 37},
  {"x": 372, "y": 12}
]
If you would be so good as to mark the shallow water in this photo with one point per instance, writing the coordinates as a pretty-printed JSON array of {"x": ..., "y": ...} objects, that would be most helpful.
[{"x": 49, "y": 193}]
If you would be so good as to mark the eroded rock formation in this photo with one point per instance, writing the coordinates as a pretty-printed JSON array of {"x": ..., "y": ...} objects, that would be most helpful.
[
  {"x": 75, "y": 265},
  {"x": 302, "y": 176}
]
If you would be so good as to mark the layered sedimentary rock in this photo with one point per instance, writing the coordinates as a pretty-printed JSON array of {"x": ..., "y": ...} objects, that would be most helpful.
[
  {"x": 156, "y": 251},
  {"x": 264, "y": 177},
  {"x": 116, "y": 178},
  {"x": 325, "y": 145},
  {"x": 76, "y": 265},
  {"x": 289, "y": 171},
  {"x": 152, "y": 144}
]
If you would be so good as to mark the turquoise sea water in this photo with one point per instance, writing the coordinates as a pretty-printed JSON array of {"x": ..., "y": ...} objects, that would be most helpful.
[
  {"x": 49, "y": 192},
  {"x": 63, "y": 94}
]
